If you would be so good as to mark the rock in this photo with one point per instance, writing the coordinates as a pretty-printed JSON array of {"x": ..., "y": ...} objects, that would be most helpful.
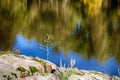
[
  {"x": 17, "y": 67},
  {"x": 48, "y": 77},
  {"x": 10, "y": 62},
  {"x": 48, "y": 66}
]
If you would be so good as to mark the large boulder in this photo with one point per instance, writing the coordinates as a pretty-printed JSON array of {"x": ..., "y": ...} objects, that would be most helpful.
[{"x": 20, "y": 66}]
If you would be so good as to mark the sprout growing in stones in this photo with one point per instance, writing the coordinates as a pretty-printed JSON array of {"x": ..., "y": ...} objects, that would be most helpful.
[
  {"x": 22, "y": 69},
  {"x": 33, "y": 69}
]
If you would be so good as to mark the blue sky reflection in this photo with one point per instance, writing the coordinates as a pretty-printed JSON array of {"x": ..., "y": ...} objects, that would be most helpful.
[{"x": 32, "y": 48}]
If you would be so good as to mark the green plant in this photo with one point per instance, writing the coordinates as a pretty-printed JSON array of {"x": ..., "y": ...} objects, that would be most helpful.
[
  {"x": 19, "y": 56},
  {"x": 33, "y": 69},
  {"x": 4, "y": 76},
  {"x": 45, "y": 74},
  {"x": 6, "y": 52},
  {"x": 65, "y": 75},
  {"x": 94, "y": 78},
  {"x": 38, "y": 60},
  {"x": 14, "y": 74},
  {"x": 115, "y": 78},
  {"x": 7, "y": 77},
  {"x": 22, "y": 69}
]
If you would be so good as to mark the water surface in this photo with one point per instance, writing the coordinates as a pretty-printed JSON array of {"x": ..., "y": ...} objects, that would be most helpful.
[
  {"x": 32, "y": 48},
  {"x": 85, "y": 30}
]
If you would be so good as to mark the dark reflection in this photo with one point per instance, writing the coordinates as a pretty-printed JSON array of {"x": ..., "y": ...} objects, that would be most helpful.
[
  {"x": 33, "y": 48},
  {"x": 87, "y": 27}
]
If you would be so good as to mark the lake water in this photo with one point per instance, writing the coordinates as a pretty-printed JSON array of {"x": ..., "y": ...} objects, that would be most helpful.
[
  {"x": 33, "y": 48},
  {"x": 85, "y": 31}
]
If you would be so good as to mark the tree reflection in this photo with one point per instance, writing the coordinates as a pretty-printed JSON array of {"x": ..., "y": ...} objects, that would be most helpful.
[{"x": 97, "y": 36}]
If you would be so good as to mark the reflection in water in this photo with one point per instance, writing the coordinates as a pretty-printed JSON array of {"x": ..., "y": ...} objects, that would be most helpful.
[
  {"x": 31, "y": 48},
  {"x": 90, "y": 28}
]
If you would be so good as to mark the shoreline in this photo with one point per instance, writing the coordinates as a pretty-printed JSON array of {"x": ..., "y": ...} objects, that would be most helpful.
[{"x": 21, "y": 67}]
